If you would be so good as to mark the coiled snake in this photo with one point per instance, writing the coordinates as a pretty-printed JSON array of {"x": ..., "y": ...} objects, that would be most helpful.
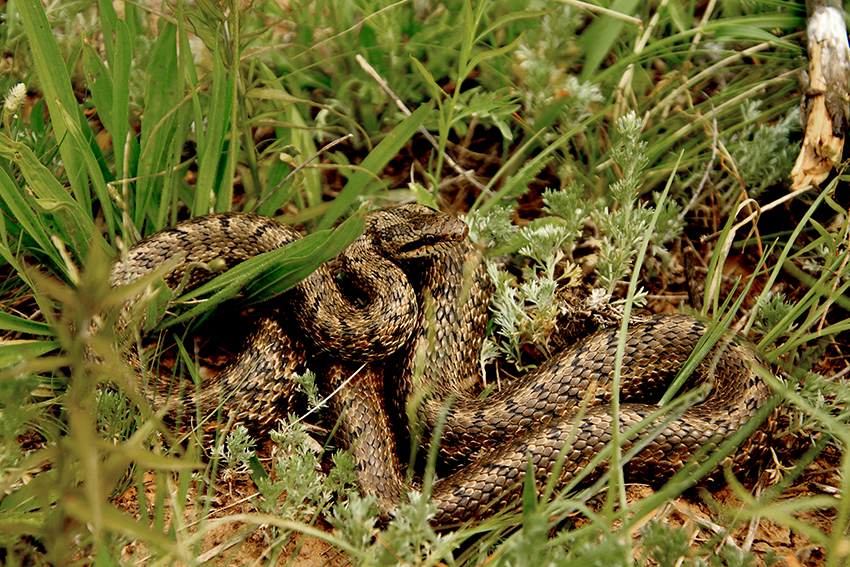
[{"x": 420, "y": 333}]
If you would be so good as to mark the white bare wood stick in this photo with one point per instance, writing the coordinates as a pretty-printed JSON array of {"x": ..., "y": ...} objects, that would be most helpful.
[{"x": 823, "y": 109}]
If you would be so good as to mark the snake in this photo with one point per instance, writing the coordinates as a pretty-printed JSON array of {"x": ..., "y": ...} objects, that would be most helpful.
[
  {"x": 258, "y": 386},
  {"x": 403, "y": 366}
]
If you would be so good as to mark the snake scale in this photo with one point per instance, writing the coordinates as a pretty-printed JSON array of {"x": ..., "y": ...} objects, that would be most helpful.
[{"x": 416, "y": 339}]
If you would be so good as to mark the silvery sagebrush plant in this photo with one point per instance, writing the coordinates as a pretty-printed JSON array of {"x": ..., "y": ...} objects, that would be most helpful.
[
  {"x": 237, "y": 451},
  {"x": 763, "y": 153},
  {"x": 622, "y": 227},
  {"x": 771, "y": 311},
  {"x": 539, "y": 60},
  {"x": 407, "y": 539},
  {"x": 296, "y": 466},
  {"x": 525, "y": 309}
]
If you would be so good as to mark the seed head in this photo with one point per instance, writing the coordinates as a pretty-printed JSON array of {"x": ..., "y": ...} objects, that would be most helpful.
[{"x": 15, "y": 98}]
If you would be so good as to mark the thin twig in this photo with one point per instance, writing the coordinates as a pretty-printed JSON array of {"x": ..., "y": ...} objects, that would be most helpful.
[
  {"x": 624, "y": 88},
  {"x": 708, "y": 170},
  {"x": 686, "y": 511},
  {"x": 468, "y": 175},
  {"x": 762, "y": 209},
  {"x": 237, "y": 538},
  {"x": 754, "y": 521},
  {"x": 298, "y": 168},
  {"x": 839, "y": 375},
  {"x": 331, "y": 395},
  {"x": 834, "y": 288},
  {"x": 604, "y": 11}
]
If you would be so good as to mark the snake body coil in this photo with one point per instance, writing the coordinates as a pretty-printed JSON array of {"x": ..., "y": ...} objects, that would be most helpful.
[
  {"x": 257, "y": 385},
  {"x": 430, "y": 358}
]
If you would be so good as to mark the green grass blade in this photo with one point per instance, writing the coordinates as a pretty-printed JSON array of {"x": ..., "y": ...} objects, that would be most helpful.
[
  {"x": 118, "y": 47},
  {"x": 16, "y": 352},
  {"x": 302, "y": 140},
  {"x": 511, "y": 17},
  {"x": 56, "y": 85},
  {"x": 100, "y": 85},
  {"x": 373, "y": 164},
  {"x": 23, "y": 214},
  {"x": 302, "y": 262},
  {"x": 490, "y": 54},
  {"x": 121, "y": 96},
  {"x": 735, "y": 33},
  {"x": 210, "y": 182},
  {"x": 108, "y": 20},
  {"x": 159, "y": 134},
  {"x": 74, "y": 224},
  {"x": 617, "y": 487},
  {"x": 120, "y": 522},
  {"x": 94, "y": 168},
  {"x": 268, "y": 275},
  {"x": 599, "y": 37},
  {"x": 11, "y": 323}
]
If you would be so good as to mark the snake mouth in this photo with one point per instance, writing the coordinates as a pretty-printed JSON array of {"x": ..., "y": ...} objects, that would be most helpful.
[{"x": 428, "y": 245}]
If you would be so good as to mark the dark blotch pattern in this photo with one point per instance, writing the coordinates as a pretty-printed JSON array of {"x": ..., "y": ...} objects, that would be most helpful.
[{"x": 419, "y": 333}]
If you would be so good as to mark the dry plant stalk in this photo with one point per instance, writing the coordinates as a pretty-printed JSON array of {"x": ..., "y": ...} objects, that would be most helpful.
[{"x": 824, "y": 110}]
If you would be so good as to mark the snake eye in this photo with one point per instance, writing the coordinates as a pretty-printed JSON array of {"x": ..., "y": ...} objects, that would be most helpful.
[{"x": 421, "y": 246}]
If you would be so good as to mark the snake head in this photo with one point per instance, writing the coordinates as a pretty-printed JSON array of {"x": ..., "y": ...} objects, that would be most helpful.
[{"x": 415, "y": 231}]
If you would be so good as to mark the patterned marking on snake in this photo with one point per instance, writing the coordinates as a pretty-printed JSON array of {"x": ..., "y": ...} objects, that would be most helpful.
[
  {"x": 438, "y": 354},
  {"x": 537, "y": 413},
  {"x": 257, "y": 385}
]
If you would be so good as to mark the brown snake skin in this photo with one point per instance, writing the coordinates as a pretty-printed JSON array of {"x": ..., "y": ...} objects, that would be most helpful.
[
  {"x": 431, "y": 360},
  {"x": 257, "y": 385}
]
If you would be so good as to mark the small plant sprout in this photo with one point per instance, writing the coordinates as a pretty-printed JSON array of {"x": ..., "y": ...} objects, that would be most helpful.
[
  {"x": 492, "y": 229},
  {"x": 525, "y": 313},
  {"x": 307, "y": 384},
  {"x": 623, "y": 227},
  {"x": 772, "y": 311},
  {"x": 296, "y": 466},
  {"x": 297, "y": 476},
  {"x": 238, "y": 449},
  {"x": 355, "y": 521},
  {"x": 568, "y": 204}
]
